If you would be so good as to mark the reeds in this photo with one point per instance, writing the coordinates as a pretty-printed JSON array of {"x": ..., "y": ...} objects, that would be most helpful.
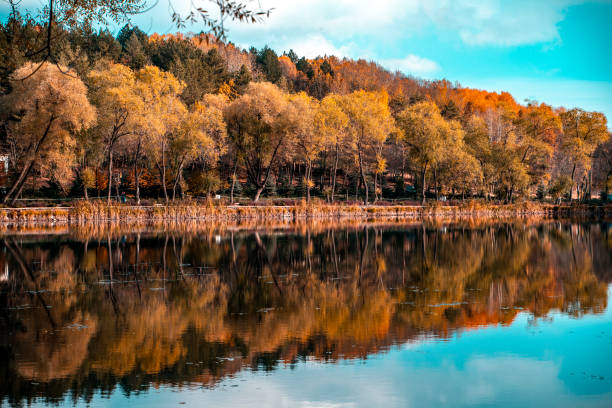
[{"x": 183, "y": 211}]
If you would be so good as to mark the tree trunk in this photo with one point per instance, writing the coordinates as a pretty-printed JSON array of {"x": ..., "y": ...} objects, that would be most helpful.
[
  {"x": 436, "y": 182},
  {"x": 162, "y": 171},
  {"x": 136, "y": 174},
  {"x": 267, "y": 176},
  {"x": 110, "y": 173},
  {"x": 423, "y": 173},
  {"x": 18, "y": 185},
  {"x": 177, "y": 178},
  {"x": 333, "y": 189},
  {"x": 14, "y": 192},
  {"x": 137, "y": 182},
  {"x": 85, "y": 192},
  {"x": 323, "y": 167},
  {"x": 233, "y": 182},
  {"x": 258, "y": 193},
  {"x": 308, "y": 180},
  {"x": 97, "y": 185},
  {"x": 572, "y": 188},
  {"x": 590, "y": 184},
  {"x": 363, "y": 177},
  {"x": 375, "y": 187}
]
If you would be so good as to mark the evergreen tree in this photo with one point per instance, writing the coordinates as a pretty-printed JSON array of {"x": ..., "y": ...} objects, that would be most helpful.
[{"x": 267, "y": 61}]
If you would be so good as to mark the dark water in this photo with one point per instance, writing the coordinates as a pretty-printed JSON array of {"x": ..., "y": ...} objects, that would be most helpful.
[{"x": 308, "y": 316}]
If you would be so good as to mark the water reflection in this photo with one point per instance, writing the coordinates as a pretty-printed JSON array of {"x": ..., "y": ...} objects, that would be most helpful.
[{"x": 93, "y": 310}]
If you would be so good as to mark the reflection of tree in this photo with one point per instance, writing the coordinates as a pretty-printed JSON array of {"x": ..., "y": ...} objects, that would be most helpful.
[{"x": 169, "y": 307}]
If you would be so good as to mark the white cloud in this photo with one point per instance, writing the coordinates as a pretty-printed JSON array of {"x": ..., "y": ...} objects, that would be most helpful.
[
  {"x": 502, "y": 23},
  {"x": 483, "y": 22},
  {"x": 475, "y": 22},
  {"x": 339, "y": 23},
  {"x": 309, "y": 46},
  {"x": 411, "y": 64}
]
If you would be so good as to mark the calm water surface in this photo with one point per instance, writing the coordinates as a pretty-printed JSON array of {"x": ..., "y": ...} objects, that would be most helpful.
[{"x": 509, "y": 314}]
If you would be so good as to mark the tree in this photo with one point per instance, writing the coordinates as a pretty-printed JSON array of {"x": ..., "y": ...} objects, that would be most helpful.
[
  {"x": 369, "y": 124},
  {"x": 292, "y": 56},
  {"x": 121, "y": 108},
  {"x": 512, "y": 176},
  {"x": 88, "y": 179},
  {"x": 134, "y": 54},
  {"x": 242, "y": 79},
  {"x": 304, "y": 66},
  {"x": 160, "y": 93},
  {"x": 478, "y": 145},
  {"x": 326, "y": 68},
  {"x": 202, "y": 72},
  {"x": 460, "y": 170},
  {"x": 267, "y": 61},
  {"x": 47, "y": 109},
  {"x": 76, "y": 13},
  {"x": 560, "y": 187},
  {"x": 426, "y": 134},
  {"x": 331, "y": 121},
  {"x": 127, "y": 32},
  {"x": 537, "y": 128},
  {"x": 257, "y": 124},
  {"x": 310, "y": 142},
  {"x": 582, "y": 133},
  {"x": 200, "y": 135}
]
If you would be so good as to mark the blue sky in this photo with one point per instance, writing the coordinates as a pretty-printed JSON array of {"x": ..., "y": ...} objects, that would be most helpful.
[{"x": 554, "y": 51}]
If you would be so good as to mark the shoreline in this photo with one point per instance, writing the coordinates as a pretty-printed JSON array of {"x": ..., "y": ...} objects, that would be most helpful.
[{"x": 97, "y": 214}]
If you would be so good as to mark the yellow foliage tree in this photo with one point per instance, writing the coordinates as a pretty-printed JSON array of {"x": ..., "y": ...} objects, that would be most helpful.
[
  {"x": 50, "y": 106},
  {"x": 120, "y": 106},
  {"x": 257, "y": 126},
  {"x": 331, "y": 121},
  {"x": 309, "y": 141},
  {"x": 369, "y": 124}
]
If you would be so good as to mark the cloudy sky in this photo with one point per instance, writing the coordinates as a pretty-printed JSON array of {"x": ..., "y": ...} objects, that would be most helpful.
[{"x": 556, "y": 51}]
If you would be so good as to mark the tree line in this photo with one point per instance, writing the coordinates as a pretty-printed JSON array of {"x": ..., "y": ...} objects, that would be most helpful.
[{"x": 162, "y": 116}]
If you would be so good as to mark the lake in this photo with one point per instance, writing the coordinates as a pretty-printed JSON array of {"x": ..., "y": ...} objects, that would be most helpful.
[{"x": 308, "y": 315}]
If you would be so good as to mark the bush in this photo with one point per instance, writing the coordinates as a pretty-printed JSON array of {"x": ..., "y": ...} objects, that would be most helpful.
[
  {"x": 560, "y": 187},
  {"x": 203, "y": 182}
]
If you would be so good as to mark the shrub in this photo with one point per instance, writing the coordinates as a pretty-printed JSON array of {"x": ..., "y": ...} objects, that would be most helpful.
[
  {"x": 204, "y": 182},
  {"x": 560, "y": 187}
]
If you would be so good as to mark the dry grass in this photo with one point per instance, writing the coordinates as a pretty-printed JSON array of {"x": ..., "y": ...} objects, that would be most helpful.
[{"x": 98, "y": 212}]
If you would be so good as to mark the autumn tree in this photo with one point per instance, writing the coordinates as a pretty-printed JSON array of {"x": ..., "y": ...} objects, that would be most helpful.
[
  {"x": 369, "y": 124},
  {"x": 458, "y": 168},
  {"x": 160, "y": 92},
  {"x": 331, "y": 122},
  {"x": 121, "y": 108},
  {"x": 47, "y": 108},
  {"x": 537, "y": 128},
  {"x": 426, "y": 134},
  {"x": 257, "y": 125},
  {"x": 200, "y": 135},
  {"x": 309, "y": 141},
  {"x": 582, "y": 133},
  {"x": 478, "y": 145}
]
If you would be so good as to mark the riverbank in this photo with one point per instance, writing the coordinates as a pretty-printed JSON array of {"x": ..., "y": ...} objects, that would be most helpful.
[{"x": 101, "y": 213}]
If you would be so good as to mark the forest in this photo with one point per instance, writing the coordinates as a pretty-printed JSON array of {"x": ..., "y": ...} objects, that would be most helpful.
[{"x": 165, "y": 117}]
